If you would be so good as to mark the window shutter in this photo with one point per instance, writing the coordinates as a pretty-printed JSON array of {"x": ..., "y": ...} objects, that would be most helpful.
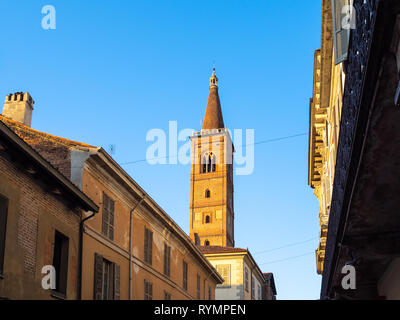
[
  {"x": 146, "y": 244},
  {"x": 117, "y": 281},
  {"x": 111, "y": 220},
  {"x": 98, "y": 276},
  {"x": 169, "y": 261},
  {"x": 105, "y": 215},
  {"x": 150, "y": 247},
  {"x": 151, "y": 291},
  {"x": 3, "y": 225},
  {"x": 341, "y": 33},
  {"x": 165, "y": 258}
]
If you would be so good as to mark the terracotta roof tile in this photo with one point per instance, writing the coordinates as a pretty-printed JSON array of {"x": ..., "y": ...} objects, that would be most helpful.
[
  {"x": 217, "y": 249},
  {"x": 19, "y": 126}
]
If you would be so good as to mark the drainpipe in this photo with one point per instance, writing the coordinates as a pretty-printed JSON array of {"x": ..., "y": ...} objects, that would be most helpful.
[
  {"x": 130, "y": 245},
  {"x": 81, "y": 226}
]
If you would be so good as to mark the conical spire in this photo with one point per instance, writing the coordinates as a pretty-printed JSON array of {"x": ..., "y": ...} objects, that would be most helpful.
[{"x": 213, "y": 118}]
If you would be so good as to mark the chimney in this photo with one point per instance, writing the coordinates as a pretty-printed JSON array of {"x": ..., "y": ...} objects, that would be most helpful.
[{"x": 19, "y": 107}]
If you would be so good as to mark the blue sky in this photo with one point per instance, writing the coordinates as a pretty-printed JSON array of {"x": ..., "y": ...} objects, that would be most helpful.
[{"x": 113, "y": 70}]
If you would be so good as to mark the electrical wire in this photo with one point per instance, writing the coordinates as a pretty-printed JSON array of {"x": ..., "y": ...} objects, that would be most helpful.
[
  {"x": 286, "y": 246},
  {"x": 286, "y": 259},
  {"x": 243, "y": 145}
]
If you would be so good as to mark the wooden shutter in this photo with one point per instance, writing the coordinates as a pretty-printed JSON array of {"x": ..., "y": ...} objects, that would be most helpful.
[
  {"x": 185, "y": 275},
  {"x": 105, "y": 216},
  {"x": 169, "y": 261},
  {"x": 98, "y": 276},
  {"x": 150, "y": 247},
  {"x": 3, "y": 225},
  {"x": 165, "y": 259},
  {"x": 111, "y": 219},
  {"x": 117, "y": 281},
  {"x": 150, "y": 291},
  {"x": 146, "y": 244}
]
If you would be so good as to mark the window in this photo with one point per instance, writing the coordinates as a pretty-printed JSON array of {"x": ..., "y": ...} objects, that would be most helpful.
[
  {"x": 343, "y": 20},
  {"x": 167, "y": 296},
  {"x": 208, "y": 195},
  {"x": 108, "y": 217},
  {"x": 209, "y": 163},
  {"x": 148, "y": 290},
  {"x": 207, "y": 243},
  {"x": 209, "y": 293},
  {"x": 107, "y": 278},
  {"x": 107, "y": 293},
  {"x": 148, "y": 246},
  {"x": 208, "y": 219},
  {"x": 167, "y": 260},
  {"x": 60, "y": 262},
  {"x": 252, "y": 288},
  {"x": 225, "y": 271},
  {"x": 185, "y": 275},
  {"x": 3, "y": 225},
  {"x": 198, "y": 287},
  {"x": 246, "y": 279}
]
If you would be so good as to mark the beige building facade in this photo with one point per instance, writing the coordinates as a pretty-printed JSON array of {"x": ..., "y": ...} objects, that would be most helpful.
[{"x": 324, "y": 125}]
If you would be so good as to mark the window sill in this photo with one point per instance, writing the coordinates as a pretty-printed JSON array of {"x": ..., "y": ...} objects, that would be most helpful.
[{"x": 58, "y": 295}]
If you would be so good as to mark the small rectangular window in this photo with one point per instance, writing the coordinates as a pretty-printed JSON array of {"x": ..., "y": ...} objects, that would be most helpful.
[
  {"x": 148, "y": 246},
  {"x": 167, "y": 295},
  {"x": 246, "y": 279},
  {"x": 148, "y": 290},
  {"x": 167, "y": 260},
  {"x": 107, "y": 278},
  {"x": 252, "y": 288},
  {"x": 198, "y": 287},
  {"x": 60, "y": 262},
  {"x": 108, "y": 217},
  {"x": 185, "y": 275},
  {"x": 225, "y": 271},
  {"x": 3, "y": 227}
]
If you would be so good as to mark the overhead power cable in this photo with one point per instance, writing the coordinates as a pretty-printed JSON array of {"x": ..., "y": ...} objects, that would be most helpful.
[
  {"x": 256, "y": 143},
  {"x": 286, "y": 246},
  {"x": 286, "y": 259}
]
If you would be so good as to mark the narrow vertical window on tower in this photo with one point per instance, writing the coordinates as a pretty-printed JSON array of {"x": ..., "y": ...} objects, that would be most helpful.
[
  {"x": 209, "y": 163},
  {"x": 208, "y": 194},
  {"x": 213, "y": 163}
]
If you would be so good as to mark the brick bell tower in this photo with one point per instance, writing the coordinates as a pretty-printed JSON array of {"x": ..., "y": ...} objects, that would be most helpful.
[{"x": 211, "y": 202}]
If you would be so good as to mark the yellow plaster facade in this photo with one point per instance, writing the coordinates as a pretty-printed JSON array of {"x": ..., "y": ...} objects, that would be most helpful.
[
  {"x": 325, "y": 115},
  {"x": 243, "y": 279}
]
